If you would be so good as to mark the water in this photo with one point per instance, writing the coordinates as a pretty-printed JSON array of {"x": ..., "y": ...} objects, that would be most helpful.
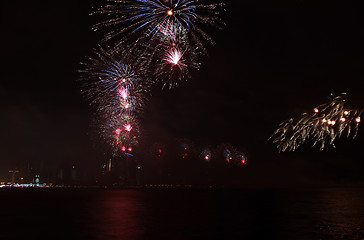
[{"x": 182, "y": 214}]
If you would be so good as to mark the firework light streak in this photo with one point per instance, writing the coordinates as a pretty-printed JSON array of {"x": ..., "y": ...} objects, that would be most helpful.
[{"x": 325, "y": 124}]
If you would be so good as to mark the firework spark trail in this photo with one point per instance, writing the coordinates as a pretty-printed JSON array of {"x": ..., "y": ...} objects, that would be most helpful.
[{"x": 324, "y": 125}]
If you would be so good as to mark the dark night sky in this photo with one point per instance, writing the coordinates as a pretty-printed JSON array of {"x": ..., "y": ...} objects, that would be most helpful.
[{"x": 273, "y": 60}]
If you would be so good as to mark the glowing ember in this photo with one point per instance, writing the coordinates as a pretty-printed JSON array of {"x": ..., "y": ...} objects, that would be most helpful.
[
  {"x": 169, "y": 12},
  {"x": 126, "y": 106},
  {"x": 118, "y": 131}
]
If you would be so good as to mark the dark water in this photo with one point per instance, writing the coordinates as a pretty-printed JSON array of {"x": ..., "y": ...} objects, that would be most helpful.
[{"x": 181, "y": 214}]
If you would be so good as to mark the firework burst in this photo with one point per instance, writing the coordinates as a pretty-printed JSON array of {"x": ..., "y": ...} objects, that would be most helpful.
[
  {"x": 206, "y": 154},
  {"x": 242, "y": 160},
  {"x": 111, "y": 85},
  {"x": 118, "y": 92},
  {"x": 168, "y": 34},
  {"x": 158, "y": 19},
  {"x": 174, "y": 57},
  {"x": 118, "y": 132},
  {"x": 324, "y": 124},
  {"x": 170, "y": 64},
  {"x": 161, "y": 39}
]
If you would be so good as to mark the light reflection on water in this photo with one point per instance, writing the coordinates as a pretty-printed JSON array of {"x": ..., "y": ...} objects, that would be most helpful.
[
  {"x": 342, "y": 215},
  {"x": 118, "y": 215},
  {"x": 183, "y": 214}
]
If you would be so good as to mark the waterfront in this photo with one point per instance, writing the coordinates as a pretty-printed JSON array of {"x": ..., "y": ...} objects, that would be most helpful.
[{"x": 331, "y": 213}]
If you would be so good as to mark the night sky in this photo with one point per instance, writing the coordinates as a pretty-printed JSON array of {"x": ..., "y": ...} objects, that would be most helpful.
[{"x": 273, "y": 60}]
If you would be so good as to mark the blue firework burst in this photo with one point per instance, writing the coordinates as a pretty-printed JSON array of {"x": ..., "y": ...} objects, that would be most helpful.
[
  {"x": 157, "y": 19},
  {"x": 111, "y": 85}
]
